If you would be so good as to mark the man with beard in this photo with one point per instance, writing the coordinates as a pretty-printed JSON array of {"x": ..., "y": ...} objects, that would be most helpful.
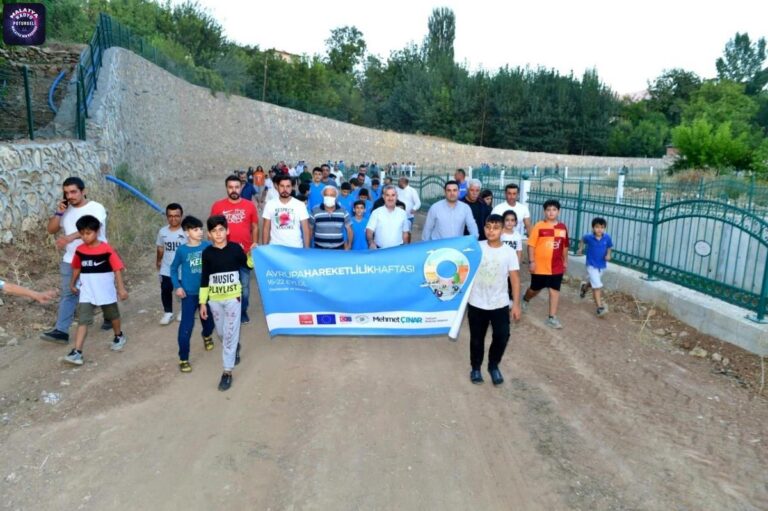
[
  {"x": 243, "y": 223},
  {"x": 69, "y": 209},
  {"x": 285, "y": 219},
  {"x": 448, "y": 218},
  {"x": 480, "y": 210}
]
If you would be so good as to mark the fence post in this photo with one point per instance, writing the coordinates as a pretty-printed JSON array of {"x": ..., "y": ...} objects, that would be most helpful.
[
  {"x": 79, "y": 113},
  {"x": 28, "y": 99},
  {"x": 751, "y": 193},
  {"x": 759, "y": 316},
  {"x": 501, "y": 180},
  {"x": 526, "y": 188},
  {"x": 620, "y": 188},
  {"x": 579, "y": 207},
  {"x": 654, "y": 234},
  {"x": 566, "y": 172}
]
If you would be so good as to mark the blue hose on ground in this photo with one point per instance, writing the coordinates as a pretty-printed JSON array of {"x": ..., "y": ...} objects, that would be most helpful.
[
  {"x": 52, "y": 91},
  {"x": 137, "y": 193}
]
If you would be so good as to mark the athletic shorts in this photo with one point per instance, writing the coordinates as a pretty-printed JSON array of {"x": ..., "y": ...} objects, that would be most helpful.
[
  {"x": 85, "y": 312},
  {"x": 539, "y": 282},
  {"x": 595, "y": 277}
]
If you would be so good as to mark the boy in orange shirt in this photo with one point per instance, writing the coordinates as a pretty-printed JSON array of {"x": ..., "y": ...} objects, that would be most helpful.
[{"x": 548, "y": 256}]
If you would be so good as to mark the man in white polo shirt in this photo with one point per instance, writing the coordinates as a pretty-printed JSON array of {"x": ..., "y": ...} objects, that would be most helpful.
[{"x": 388, "y": 226}]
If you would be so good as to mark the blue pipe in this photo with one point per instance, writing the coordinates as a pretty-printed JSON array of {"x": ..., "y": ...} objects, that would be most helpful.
[
  {"x": 137, "y": 193},
  {"x": 52, "y": 90}
]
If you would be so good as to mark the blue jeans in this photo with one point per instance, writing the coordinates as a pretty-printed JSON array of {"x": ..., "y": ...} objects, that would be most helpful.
[
  {"x": 245, "y": 282},
  {"x": 189, "y": 309},
  {"x": 68, "y": 300}
]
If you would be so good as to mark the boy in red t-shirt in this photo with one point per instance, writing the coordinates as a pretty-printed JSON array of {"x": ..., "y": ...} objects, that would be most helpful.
[
  {"x": 99, "y": 269},
  {"x": 243, "y": 221},
  {"x": 548, "y": 259}
]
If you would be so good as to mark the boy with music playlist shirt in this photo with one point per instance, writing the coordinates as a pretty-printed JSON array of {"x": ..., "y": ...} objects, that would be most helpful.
[{"x": 221, "y": 289}]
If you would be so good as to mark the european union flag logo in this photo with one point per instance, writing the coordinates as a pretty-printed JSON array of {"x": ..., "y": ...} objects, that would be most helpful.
[{"x": 326, "y": 319}]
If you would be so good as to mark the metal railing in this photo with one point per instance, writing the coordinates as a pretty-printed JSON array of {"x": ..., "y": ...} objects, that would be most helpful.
[
  {"x": 26, "y": 97},
  {"x": 690, "y": 235}
]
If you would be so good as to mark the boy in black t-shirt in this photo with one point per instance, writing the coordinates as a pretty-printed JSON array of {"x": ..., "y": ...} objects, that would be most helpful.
[{"x": 221, "y": 289}]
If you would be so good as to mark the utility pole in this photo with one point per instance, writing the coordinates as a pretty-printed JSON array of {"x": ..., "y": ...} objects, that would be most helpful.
[{"x": 264, "y": 87}]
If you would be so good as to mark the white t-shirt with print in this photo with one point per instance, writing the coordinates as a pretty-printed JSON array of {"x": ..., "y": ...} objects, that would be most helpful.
[
  {"x": 170, "y": 241},
  {"x": 514, "y": 240},
  {"x": 285, "y": 222},
  {"x": 69, "y": 224},
  {"x": 489, "y": 289}
]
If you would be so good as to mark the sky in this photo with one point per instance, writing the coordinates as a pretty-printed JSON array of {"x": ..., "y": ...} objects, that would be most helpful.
[{"x": 629, "y": 43}]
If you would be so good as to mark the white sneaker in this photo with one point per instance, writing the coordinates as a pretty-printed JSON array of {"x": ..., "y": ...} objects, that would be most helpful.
[
  {"x": 74, "y": 358},
  {"x": 553, "y": 322},
  {"x": 178, "y": 317},
  {"x": 118, "y": 342},
  {"x": 167, "y": 318}
]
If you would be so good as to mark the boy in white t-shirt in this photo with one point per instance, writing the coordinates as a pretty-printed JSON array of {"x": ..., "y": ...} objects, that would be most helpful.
[
  {"x": 169, "y": 238},
  {"x": 489, "y": 303}
]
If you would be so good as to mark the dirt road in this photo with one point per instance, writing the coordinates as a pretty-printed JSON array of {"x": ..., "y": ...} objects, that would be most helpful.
[{"x": 590, "y": 418}]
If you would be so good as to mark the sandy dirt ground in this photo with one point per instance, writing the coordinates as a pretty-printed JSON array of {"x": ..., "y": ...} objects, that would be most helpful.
[{"x": 591, "y": 417}]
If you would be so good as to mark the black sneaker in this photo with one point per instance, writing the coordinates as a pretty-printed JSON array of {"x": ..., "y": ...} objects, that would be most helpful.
[
  {"x": 237, "y": 354},
  {"x": 476, "y": 377},
  {"x": 225, "y": 382},
  {"x": 55, "y": 336},
  {"x": 496, "y": 376}
]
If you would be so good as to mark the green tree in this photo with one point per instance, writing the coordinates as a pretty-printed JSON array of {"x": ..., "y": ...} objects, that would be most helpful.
[
  {"x": 720, "y": 102},
  {"x": 198, "y": 31},
  {"x": 671, "y": 92},
  {"x": 703, "y": 144},
  {"x": 742, "y": 62},
  {"x": 346, "y": 49},
  {"x": 442, "y": 32}
]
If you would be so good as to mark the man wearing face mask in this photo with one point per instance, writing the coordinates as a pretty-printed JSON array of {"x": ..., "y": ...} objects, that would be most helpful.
[{"x": 330, "y": 223}]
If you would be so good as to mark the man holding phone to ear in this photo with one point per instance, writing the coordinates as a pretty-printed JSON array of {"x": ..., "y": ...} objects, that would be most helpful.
[{"x": 69, "y": 209}]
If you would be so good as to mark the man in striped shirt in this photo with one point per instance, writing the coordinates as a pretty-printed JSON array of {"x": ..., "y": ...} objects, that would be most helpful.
[{"x": 330, "y": 222}]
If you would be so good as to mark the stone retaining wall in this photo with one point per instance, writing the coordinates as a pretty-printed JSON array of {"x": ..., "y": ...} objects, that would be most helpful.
[
  {"x": 30, "y": 180},
  {"x": 163, "y": 127}
]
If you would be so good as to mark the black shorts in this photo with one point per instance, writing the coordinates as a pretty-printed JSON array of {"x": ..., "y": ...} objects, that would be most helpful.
[{"x": 539, "y": 282}]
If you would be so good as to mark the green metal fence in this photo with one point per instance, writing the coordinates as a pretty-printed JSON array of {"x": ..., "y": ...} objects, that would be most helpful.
[
  {"x": 108, "y": 33},
  {"x": 24, "y": 101},
  {"x": 691, "y": 235}
]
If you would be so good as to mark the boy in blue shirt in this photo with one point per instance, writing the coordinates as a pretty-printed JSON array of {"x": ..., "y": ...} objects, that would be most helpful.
[
  {"x": 346, "y": 199},
  {"x": 598, "y": 244},
  {"x": 358, "y": 223},
  {"x": 189, "y": 259}
]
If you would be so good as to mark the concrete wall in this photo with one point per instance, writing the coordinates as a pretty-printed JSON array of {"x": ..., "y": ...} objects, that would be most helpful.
[
  {"x": 30, "y": 180},
  {"x": 704, "y": 313}
]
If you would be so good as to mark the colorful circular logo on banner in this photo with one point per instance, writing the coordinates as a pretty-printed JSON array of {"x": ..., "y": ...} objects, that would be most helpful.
[{"x": 446, "y": 271}]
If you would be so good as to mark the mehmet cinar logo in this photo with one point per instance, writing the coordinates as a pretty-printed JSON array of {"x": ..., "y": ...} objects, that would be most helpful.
[{"x": 24, "y": 24}]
